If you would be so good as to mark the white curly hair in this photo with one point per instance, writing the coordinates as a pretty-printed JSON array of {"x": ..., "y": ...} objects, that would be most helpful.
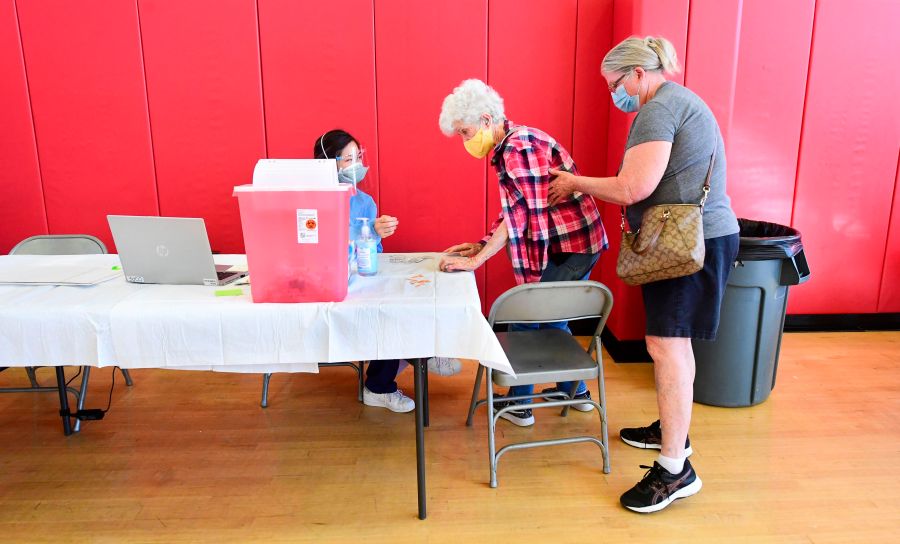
[{"x": 468, "y": 102}]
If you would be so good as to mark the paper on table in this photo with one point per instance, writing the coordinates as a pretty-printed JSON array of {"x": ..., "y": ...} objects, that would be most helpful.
[
  {"x": 58, "y": 274},
  {"x": 306, "y": 173}
]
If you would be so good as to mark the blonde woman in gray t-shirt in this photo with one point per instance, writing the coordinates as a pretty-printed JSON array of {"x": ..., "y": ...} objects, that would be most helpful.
[{"x": 666, "y": 159}]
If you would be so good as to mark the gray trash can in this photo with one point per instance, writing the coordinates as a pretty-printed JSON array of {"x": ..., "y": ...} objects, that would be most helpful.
[{"x": 738, "y": 368}]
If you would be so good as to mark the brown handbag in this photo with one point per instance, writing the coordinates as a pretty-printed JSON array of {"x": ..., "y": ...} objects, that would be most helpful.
[{"x": 669, "y": 243}]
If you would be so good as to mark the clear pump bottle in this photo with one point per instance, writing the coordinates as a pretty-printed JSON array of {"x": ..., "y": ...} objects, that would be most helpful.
[{"x": 366, "y": 250}]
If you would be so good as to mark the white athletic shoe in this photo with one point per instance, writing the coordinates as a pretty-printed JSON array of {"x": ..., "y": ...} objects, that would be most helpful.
[
  {"x": 444, "y": 366},
  {"x": 395, "y": 402}
]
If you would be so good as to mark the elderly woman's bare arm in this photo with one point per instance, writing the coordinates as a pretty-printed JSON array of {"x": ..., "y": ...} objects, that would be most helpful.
[
  {"x": 642, "y": 170},
  {"x": 497, "y": 241}
]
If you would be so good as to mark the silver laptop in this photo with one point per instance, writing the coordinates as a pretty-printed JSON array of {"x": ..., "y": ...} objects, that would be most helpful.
[{"x": 170, "y": 250}]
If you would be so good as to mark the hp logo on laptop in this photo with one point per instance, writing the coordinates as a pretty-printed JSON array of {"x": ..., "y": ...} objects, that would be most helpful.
[{"x": 162, "y": 250}]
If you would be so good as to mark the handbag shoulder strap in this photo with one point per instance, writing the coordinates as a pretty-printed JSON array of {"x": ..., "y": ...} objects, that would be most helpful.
[{"x": 712, "y": 161}]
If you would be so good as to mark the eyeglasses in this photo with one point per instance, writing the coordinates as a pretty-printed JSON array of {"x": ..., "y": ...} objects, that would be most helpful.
[
  {"x": 353, "y": 157},
  {"x": 615, "y": 84}
]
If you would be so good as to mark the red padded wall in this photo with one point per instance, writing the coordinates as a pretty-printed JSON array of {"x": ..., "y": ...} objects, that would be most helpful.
[
  {"x": 531, "y": 63},
  {"x": 669, "y": 19},
  {"x": 89, "y": 105},
  {"x": 767, "y": 106},
  {"x": 889, "y": 298},
  {"x": 712, "y": 51},
  {"x": 848, "y": 157},
  {"x": 428, "y": 181},
  {"x": 203, "y": 84},
  {"x": 591, "y": 106},
  {"x": 320, "y": 76},
  {"x": 232, "y": 81},
  {"x": 22, "y": 205}
]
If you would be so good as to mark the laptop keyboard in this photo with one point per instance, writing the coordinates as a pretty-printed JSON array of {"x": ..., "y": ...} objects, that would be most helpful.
[{"x": 224, "y": 275}]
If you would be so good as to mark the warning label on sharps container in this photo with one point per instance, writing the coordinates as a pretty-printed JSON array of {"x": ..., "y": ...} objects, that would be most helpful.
[{"x": 307, "y": 226}]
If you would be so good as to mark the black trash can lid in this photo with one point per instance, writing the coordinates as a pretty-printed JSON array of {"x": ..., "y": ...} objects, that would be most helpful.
[{"x": 761, "y": 241}]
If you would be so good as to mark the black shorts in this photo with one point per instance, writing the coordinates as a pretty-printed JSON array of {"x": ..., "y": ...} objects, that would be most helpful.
[{"x": 688, "y": 307}]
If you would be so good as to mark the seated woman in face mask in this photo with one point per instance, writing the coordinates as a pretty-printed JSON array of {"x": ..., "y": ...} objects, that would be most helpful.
[{"x": 380, "y": 388}]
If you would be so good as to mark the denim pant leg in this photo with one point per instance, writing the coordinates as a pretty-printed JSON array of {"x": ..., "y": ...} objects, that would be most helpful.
[
  {"x": 575, "y": 266},
  {"x": 380, "y": 376}
]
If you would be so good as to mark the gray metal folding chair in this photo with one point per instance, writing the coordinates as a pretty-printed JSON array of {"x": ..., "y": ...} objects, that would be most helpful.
[
  {"x": 546, "y": 355},
  {"x": 358, "y": 367},
  {"x": 61, "y": 244}
]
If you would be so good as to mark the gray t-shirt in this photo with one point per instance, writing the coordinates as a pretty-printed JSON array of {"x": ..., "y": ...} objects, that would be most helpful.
[{"x": 677, "y": 115}]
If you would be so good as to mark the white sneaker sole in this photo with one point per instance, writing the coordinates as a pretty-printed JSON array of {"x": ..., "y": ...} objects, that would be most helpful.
[
  {"x": 518, "y": 420},
  {"x": 687, "y": 452},
  {"x": 686, "y": 491},
  {"x": 378, "y": 404}
]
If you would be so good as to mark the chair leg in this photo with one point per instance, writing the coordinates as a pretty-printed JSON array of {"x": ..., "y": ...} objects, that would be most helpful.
[
  {"x": 82, "y": 394},
  {"x": 31, "y": 376},
  {"x": 478, "y": 376},
  {"x": 601, "y": 388},
  {"x": 127, "y": 375},
  {"x": 565, "y": 410},
  {"x": 490, "y": 416},
  {"x": 265, "y": 390}
]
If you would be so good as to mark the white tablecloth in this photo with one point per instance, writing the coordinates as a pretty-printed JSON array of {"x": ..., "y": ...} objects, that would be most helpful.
[{"x": 188, "y": 327}]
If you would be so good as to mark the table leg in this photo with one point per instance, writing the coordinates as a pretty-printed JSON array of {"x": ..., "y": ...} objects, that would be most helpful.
[
  {"x": 420, "y": 432},
  {"x": 425, "y": 392},
  {"x": 63, "y": 401}
]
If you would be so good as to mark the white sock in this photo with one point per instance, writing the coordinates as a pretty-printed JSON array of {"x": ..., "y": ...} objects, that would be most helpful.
[{"x": 673, "y": 465}]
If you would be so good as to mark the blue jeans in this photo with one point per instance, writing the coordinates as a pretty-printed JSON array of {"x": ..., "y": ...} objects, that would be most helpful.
[{"x": 560, "y": 267}]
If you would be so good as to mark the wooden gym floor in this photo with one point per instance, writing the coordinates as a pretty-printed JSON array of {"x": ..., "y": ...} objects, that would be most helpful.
[{"x": 191, "y": 457}]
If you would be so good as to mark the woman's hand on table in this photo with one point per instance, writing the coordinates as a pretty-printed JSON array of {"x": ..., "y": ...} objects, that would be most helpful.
[
  {"x": 386, "y": 225},
  {"x": 458, "y": 263},
  {"x": 464, "y": 250},
  {"x": 561, "y": 187}
]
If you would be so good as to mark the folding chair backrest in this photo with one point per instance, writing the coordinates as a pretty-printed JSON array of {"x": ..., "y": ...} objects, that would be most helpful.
[
  {"x": 60, "y": 244},
  {"x": 553, "y": 301}
]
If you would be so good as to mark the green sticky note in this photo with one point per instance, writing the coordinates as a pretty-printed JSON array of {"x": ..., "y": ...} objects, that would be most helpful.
[
  {"x": 117, "y": 268},
  {"x": 229, "y": 292}
]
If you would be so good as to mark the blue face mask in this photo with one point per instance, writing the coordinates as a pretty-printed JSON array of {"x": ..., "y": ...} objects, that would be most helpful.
[
  {"x": 352, "y": 174},
  {"x": 625, "y": 101}
]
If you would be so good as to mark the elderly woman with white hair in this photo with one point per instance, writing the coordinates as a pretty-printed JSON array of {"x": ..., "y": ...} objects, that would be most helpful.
[
  {"x": 673, "y": 145},
  {"x": 559, "y": 242}
]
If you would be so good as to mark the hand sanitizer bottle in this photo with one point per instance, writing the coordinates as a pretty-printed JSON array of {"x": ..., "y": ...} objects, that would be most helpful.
[{"x": 366, "y": 250}]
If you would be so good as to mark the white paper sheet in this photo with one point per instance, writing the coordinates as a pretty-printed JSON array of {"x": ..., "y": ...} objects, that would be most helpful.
[{"x": 305, "y": 173}]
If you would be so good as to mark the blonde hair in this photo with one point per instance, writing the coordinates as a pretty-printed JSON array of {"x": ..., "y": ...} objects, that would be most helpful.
[
  {"x": 651, "y": 54},
  {"x": 467, "y": 102}
]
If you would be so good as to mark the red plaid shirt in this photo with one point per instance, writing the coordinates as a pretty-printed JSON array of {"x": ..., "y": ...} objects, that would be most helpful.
[{"x": 523, "y": 160}]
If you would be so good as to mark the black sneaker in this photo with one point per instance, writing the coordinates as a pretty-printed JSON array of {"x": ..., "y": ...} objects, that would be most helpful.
[
  {"x": 522, "y": 418},
  {"x": 649, "y": 438},
  {"x": 584, "y": 407},
  {"x": 659, "y": 488}
]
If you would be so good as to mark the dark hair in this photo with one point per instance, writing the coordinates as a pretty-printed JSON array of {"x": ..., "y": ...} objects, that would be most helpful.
[{"x": 330, "y": 144}]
